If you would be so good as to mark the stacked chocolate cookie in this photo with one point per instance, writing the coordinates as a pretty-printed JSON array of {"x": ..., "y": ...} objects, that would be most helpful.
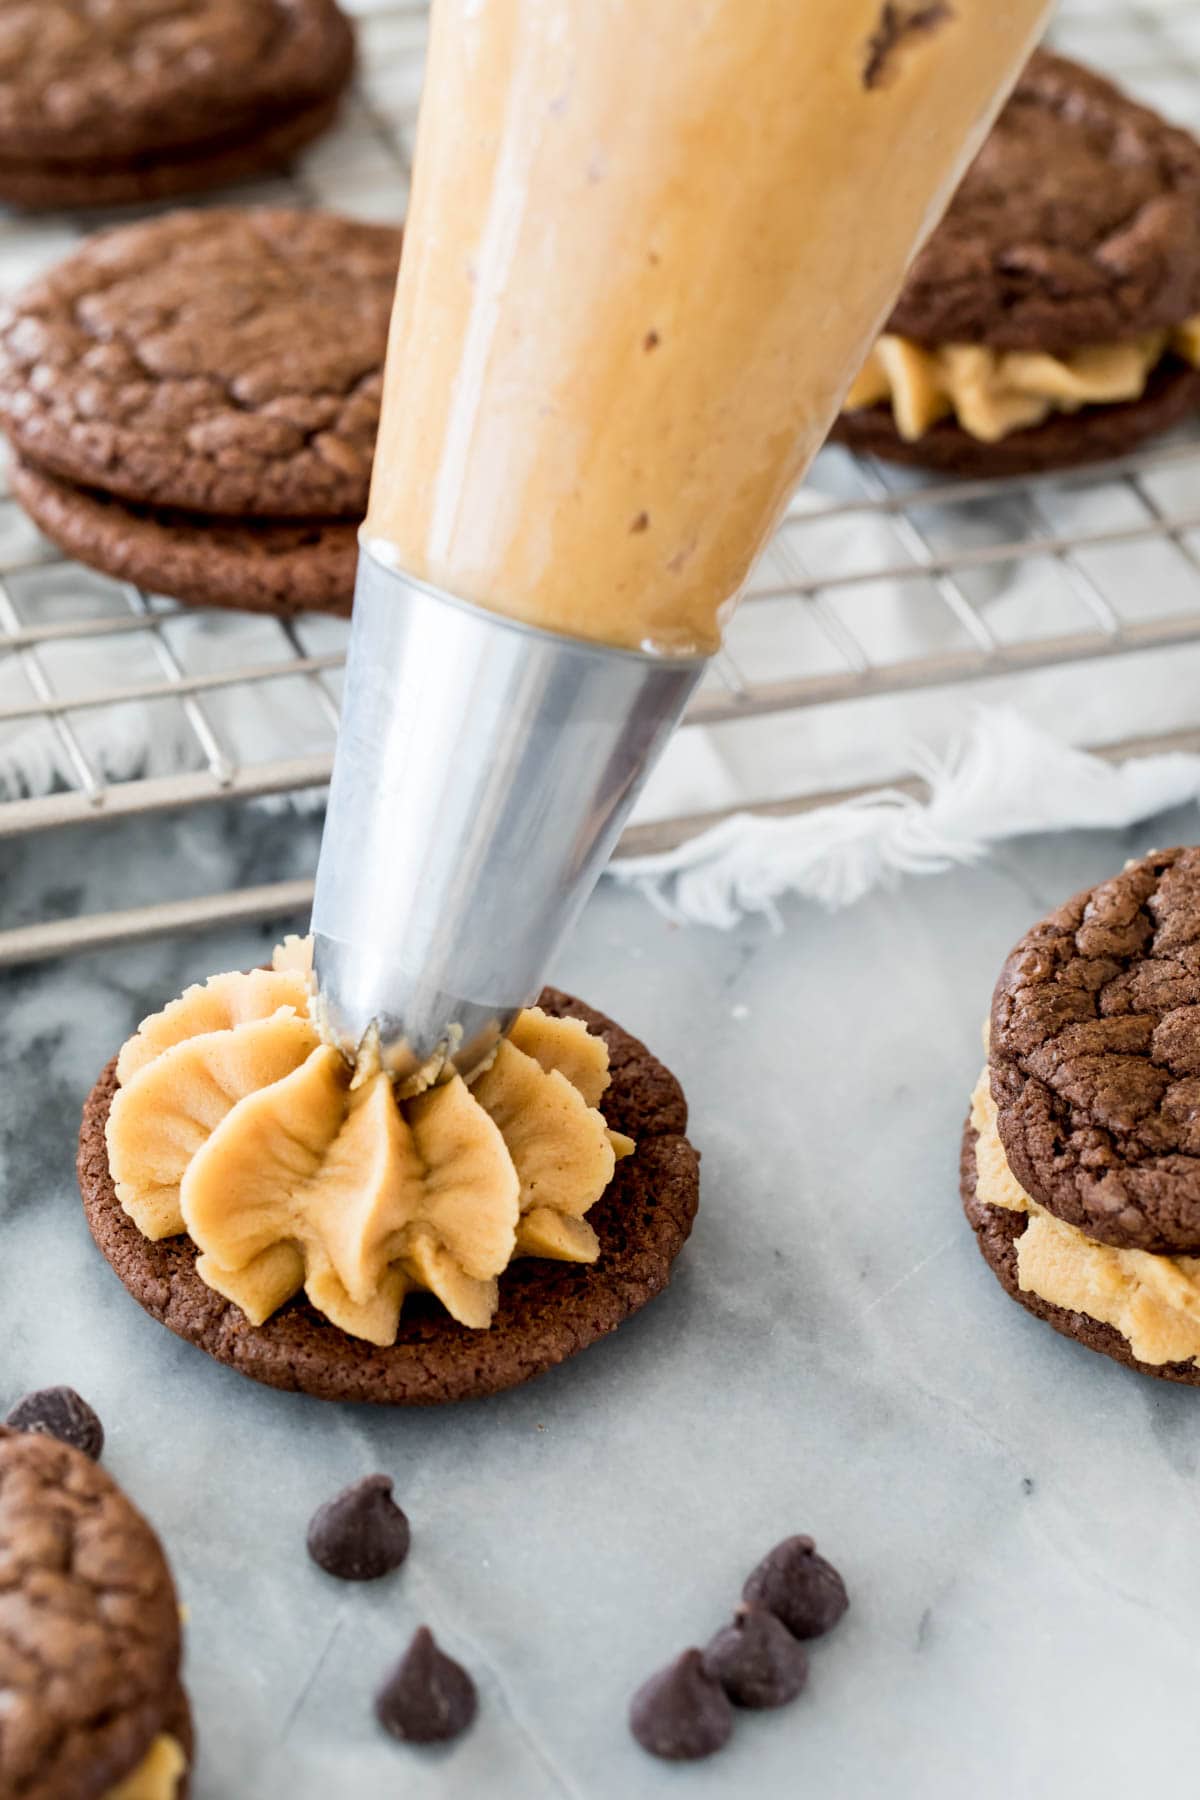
[
  {"x": 139, "y": 100},
  {"x": 194, "y": 400},
  {"x": 91, "y": 1706},
  {"x": 1081, "y": 1156},
  {"x": 1054, "y": 316}
]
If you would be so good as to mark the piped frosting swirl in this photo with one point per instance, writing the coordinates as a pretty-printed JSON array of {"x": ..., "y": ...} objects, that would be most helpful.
[{"x": 288, "y": 1169}]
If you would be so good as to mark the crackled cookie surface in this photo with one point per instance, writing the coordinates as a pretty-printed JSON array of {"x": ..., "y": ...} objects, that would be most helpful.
[
  {"x": 1078, "y": 222},
  {"x": 225, "y": 361},
  {"x": 90, "y": 1702},
  {"x": 1095, "y": 1057},
  {"x": 194, "y": 401}
]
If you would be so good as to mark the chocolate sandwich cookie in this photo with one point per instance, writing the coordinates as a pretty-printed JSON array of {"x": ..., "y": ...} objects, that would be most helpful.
[
  {"x": 1081, "y": 1161},
  {"x": 90, "y": 1697},
  {"x": 193, "y": 401},
  {"x": 140, "y": 100},
  {"x": 1054, "y": 316},
  {"x": 548, "y": 1310}
]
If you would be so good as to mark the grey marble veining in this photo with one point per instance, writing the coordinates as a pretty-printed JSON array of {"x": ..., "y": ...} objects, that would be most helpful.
[{"x": 1016, "y": 1519}]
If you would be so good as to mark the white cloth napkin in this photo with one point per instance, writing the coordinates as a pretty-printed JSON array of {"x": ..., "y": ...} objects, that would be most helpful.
[{"x": 1005, "y": 777}]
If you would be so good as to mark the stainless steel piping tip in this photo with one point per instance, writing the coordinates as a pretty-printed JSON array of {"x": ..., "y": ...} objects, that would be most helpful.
[{"x": 483, "y": 772}]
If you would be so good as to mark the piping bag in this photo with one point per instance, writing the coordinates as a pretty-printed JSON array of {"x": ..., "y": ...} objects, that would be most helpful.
[{"x": 648, "y": 248}]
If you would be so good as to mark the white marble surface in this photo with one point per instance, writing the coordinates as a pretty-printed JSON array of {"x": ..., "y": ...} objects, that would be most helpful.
[{"x": 1016, "y": 1519}]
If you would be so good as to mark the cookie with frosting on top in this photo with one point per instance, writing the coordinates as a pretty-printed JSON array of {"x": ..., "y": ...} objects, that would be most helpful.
[{"x": 319, "y": 1228}]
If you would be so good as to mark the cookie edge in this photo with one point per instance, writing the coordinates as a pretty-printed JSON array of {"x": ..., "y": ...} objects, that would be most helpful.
[
  {"x": 47, "y": 187},
  {"x": 109, "y": 535}
]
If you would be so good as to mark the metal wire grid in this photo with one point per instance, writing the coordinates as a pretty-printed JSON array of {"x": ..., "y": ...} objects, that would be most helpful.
[{"x": 942, "y": 556}]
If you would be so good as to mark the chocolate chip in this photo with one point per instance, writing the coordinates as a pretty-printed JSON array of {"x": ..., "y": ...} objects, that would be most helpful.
[
  {"x": 681, "y": 1713},
  {"x": 799, "y": 1587},
  {"x": 361, "y": 1534},
  {"x": 59, "y": 1412},
  {"x": 757, "y": 1660},
  {"x": 428, "y": 1697}
]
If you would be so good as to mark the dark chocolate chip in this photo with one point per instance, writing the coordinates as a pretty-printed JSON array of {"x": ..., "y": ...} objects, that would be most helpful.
[
  {"x": 757, "y": 1660},
  {"x": 682, "y": 1713},
  {"x": 361, "y": 1534},
  {"x": 428, "y": 1697},
  {"x": 59, "y": 1412},
  {"x": 799, "y": 1587}
]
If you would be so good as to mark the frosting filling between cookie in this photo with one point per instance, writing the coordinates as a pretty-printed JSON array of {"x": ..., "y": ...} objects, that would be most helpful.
[
  {"x": 1153, "y": 1301},
  {"x": 288, "y": 1169},
  {"x": 158, "y": 1774},
  {"x": 991, "y": 393}
]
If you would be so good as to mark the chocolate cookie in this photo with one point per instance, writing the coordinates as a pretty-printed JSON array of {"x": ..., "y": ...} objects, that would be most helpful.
[
  {"x": 89, "y": 1628},
  {"x": 1078, "y": 225},
  {"x": 137, "y": 100},
  {"x": 1095, "y": 1057},
  {"x": 998, "y": 1231},
  {"x": 225, "y": 361},
  {"x": 194, "y": 401},
  {"x": 262, "y": 565},
  {"x": 548, "y": 1310}
]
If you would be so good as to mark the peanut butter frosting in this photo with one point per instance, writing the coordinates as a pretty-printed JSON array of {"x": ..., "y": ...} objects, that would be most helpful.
[
  {"x": 991, "y": 393},
  {"x": 235, "y": 1123},
  {"x": 158, "y": 1774},
  {"x": 1153, "y": 1301}
]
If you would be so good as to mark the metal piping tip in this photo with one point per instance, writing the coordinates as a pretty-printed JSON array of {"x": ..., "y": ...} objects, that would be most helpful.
[{"x": 484, "y": 770}]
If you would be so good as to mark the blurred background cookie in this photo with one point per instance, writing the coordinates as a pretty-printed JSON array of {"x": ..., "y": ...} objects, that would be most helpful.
[
  {"x": 194, "y": 399},
  {"x": 1054, "y": 316},
  {"x": 138, "y": 100},
  {"x": 91, "y": 1706}
]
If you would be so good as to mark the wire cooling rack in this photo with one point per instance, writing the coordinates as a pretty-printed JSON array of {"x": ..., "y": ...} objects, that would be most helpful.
[{"x": 114, "y": 702}]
